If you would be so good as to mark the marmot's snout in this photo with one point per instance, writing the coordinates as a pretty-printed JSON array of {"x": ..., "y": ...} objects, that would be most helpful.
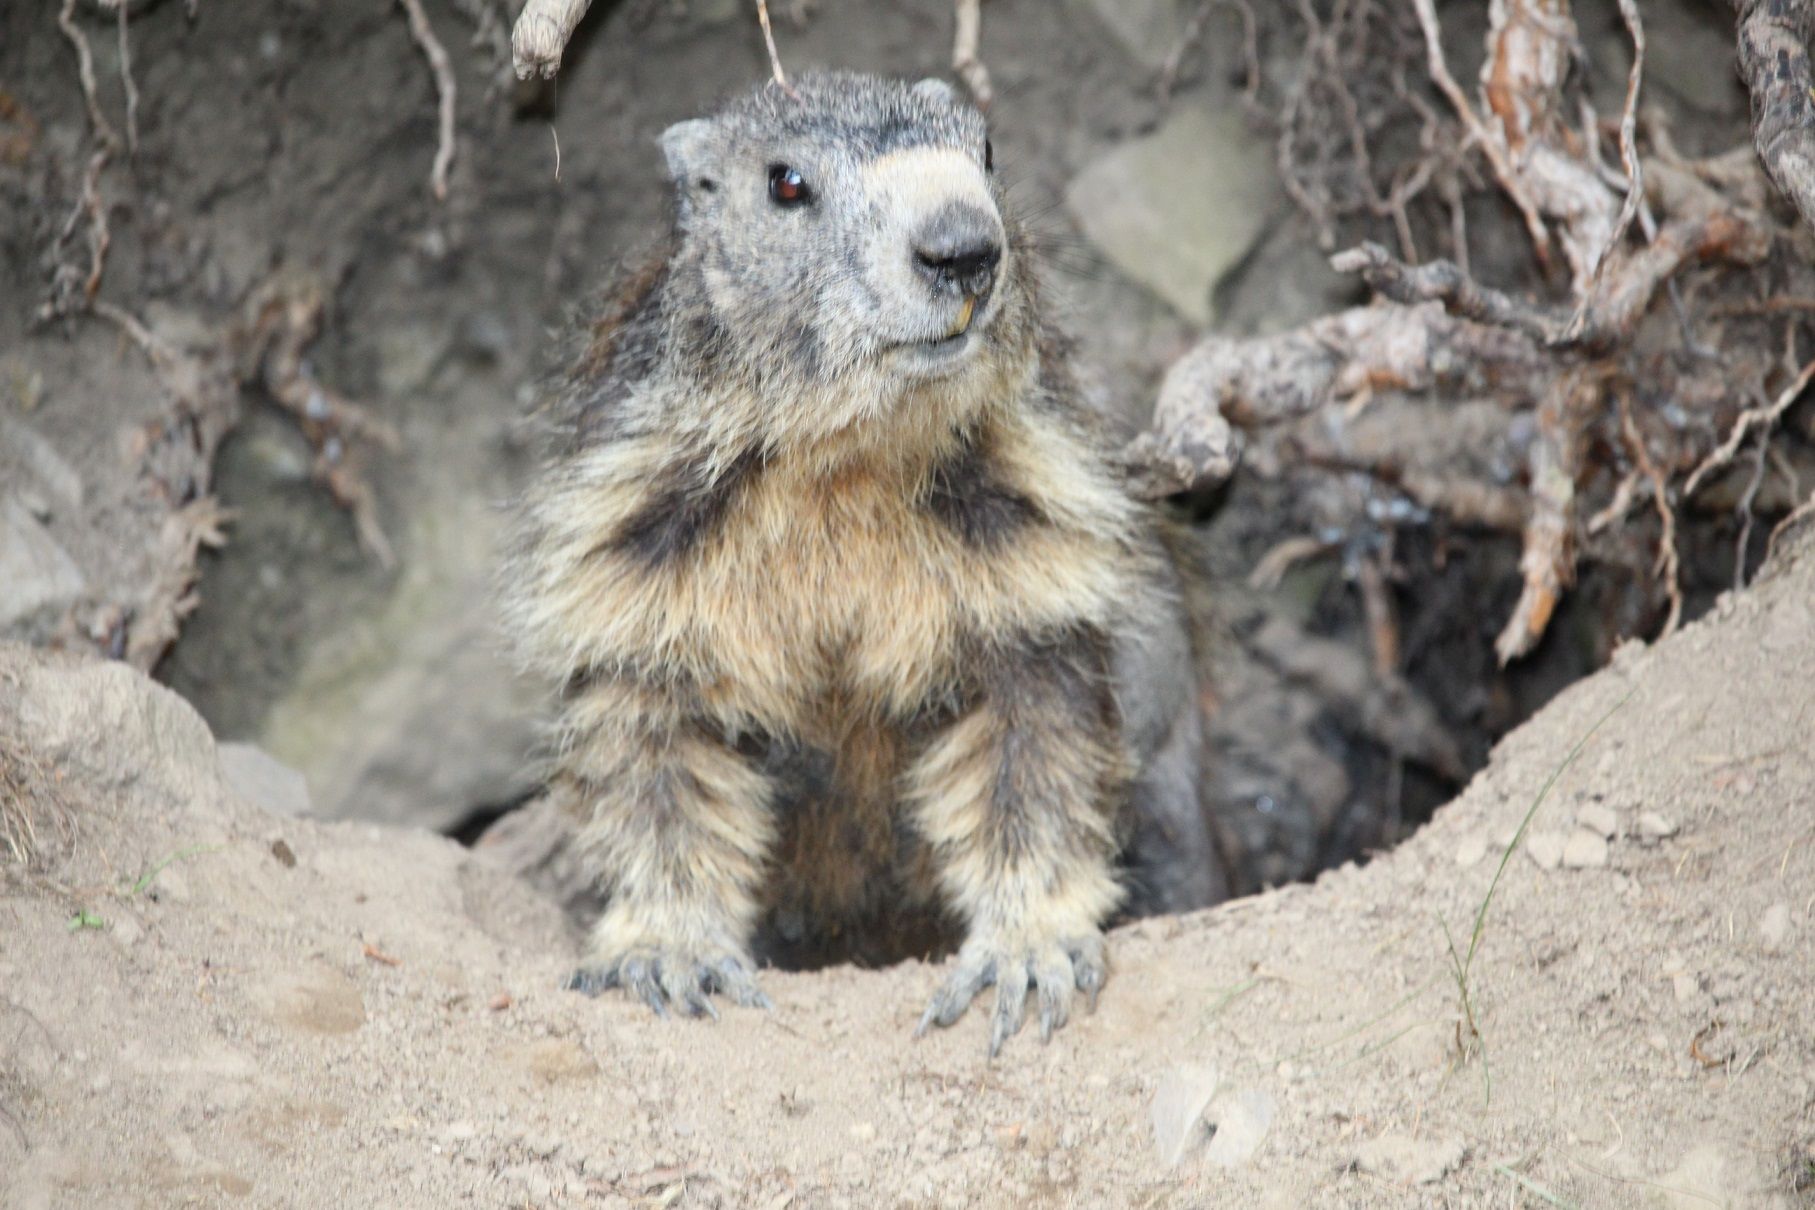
[{"x": 957, "y": 251}]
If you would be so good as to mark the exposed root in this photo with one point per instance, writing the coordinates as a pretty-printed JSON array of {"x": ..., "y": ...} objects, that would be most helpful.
[
  {"x": 541, "y": 34},
  {"x": 1495, "y": 150},
  {"x": 71, "y": 291},
  {"x": 85, "y": 70},
  {"x": 122, "y": 7},
  {"x": 1766, "y": 416},
  {"x": 1629, "y": 152},
  {"x": 281, "y": 321},
  {"x": 1548, "y": 562},
  {"x": 264, "y": 348},
  {"x": 436, "y": 54},
  {"x": 966, "y": 62},
  {"x": 1774, "y": 37},
  {"x": 1194, "y": 442},
  {"x": 1667, "y": 568},
  {"x": 1193, "y": 37}
]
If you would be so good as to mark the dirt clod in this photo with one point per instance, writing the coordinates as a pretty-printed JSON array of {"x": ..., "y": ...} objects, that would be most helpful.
[{"x": 1584, "y": 850}]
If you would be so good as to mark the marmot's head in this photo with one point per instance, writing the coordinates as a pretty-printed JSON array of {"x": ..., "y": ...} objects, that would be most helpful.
[{"x": 850, "y": 241}]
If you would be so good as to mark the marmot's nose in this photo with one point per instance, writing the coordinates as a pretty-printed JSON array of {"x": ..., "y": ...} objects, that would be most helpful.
[{"x": 959, "y": 249}]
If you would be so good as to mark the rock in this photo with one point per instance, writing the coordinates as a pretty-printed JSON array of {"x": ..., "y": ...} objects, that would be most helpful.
[
  {"x": 411, "y": 714},
  {"x": 1774, "y": 927},
  {"x": 1470, "y": 851},
  {"x": 1685, "y": 986},
  {"x": 1410, "y": 1161},
  {"x": 260, "y": 778},
  {"x": 1177, "y": 1110},
  {"x": 1707, "y": 1176},
  {"x": 1655, "y": 826},
  {"x": 1242, "y": 1121},
  {"x": 1180, "y": 208},
  {"x": 1147, "y": 29},
  {"x": 1545, "y": 848},
  {"x": 36, "y": 574},
  {"x": 1600, "y": 820},
  {"x": 61, "y": 482},
  {"x": 1584, "y": 850}
]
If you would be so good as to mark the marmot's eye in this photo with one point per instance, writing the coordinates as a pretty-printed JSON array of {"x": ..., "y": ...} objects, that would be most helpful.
[
  {"x": 989, "y": 156},
  {"x": 787, "y": 187}
]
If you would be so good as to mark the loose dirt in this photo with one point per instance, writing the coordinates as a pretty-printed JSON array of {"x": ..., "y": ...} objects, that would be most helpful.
[{"x": 203, "y": 1002}]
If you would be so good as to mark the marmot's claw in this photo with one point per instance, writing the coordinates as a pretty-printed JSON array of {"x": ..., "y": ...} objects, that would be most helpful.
[
  {"x": 661, "y": 978},
  {"x": 1053, "y": 970}
]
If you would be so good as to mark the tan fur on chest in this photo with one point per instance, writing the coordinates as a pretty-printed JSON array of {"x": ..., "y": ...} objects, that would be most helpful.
[{"x": 833, "y": 585}]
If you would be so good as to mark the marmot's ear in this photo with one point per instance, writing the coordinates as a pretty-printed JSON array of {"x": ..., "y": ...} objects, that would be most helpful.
[
  {"x": 686, "y": 146},
  {"x": 935, "y": 89}
]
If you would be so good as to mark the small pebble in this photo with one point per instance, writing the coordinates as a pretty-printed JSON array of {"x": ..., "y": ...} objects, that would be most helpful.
[
  {"x": 1655, "y": 826},
  {"x": 1177, "y": 1109},
  {"x": 1470, "y": 851},
  {"x": 1686, "y": 986},
  {"x": 1585, "y": 850},
  {"x": 1599, "y": 820},
  {"x": 1774, "y": 927},
  {"x": 35, "y": 504},
  {"x": 1545, "y": 848}
]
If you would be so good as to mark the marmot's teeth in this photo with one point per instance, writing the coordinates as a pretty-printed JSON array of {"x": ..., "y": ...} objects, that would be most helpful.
[{"x": 964, "y": 318}]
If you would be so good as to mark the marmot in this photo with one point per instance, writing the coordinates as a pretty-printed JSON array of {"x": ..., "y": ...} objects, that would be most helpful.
[{"x": 864, "y": 646}]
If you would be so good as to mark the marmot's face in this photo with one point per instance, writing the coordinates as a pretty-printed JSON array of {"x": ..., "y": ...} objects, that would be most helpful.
[{"x": 851, "y": 230}]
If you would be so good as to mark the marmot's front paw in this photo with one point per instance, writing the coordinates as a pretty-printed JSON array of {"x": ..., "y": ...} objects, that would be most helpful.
[
  {"x": 1054, "y": 967},
  {"x": 664, "y": 976}
]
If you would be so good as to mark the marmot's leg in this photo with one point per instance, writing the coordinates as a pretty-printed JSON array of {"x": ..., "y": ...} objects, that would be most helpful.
[
  {"x": 1016, "y": 797},
  {"x": 676, "y": 824}
]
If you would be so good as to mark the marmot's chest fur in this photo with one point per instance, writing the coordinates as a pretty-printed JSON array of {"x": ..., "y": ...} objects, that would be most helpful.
[{"x": 862, "y": 584}]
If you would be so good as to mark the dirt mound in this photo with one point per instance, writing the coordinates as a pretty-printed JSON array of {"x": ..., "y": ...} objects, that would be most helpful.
[{"x": 203, "y": 1001}]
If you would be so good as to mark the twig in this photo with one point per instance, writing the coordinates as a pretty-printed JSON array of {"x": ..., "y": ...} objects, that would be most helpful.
[
  {"x": 1767, "y": 415},
  {"x": 1194, "y": 33},
  {"x": 444, "y": 88},
  {"x": 1629, "y": 156},
  {"x": 1624, "y": 497},
  {"x": 85, "y": 69},
  {"x": 99, "y": 238},
  {"x": 1377, "y": 608},
  {"x": 1285, "y": 555},
  {"x": 781, "y": 77},
  {"x": 1667, "y": 566},
  {"x": 1444, "y": 281},
  {"x": 541, "y": 33},
  {"x": 132, "y": 89},
  {"x": 966, "y": 62}
]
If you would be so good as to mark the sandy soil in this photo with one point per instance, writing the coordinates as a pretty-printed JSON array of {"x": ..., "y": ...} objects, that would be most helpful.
[{"x": 206, "y": 1003}]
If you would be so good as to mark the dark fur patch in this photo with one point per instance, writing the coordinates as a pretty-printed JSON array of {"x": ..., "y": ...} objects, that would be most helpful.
[
  {"x": 1053, "y": 692},
  {"x": 679, "y": 516},
  {"x": 625, "y": 347},
  {"x": 968, "y": 494}
]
